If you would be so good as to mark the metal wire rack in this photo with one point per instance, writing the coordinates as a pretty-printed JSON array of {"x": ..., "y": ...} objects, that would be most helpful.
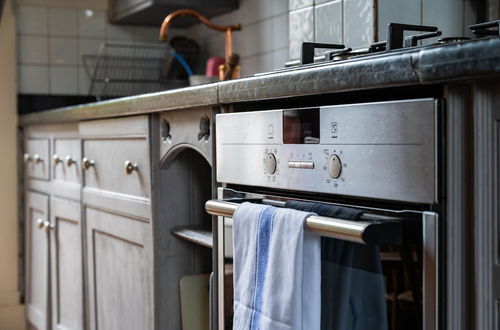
[{"x": 130, "y": 69}]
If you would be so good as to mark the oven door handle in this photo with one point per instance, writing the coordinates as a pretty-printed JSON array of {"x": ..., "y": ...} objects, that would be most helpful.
[{"x": 364, "y": 232}]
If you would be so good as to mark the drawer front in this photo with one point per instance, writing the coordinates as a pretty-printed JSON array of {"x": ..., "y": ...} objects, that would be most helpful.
[
  {"x": 37, "y": 158},
  {"x": 108, "y": 171},
  {"x": 107, "y": 146},
  {"x": 68, "y": 153}
]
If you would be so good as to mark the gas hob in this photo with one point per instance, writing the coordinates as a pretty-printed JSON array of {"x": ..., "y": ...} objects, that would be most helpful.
[{"x": 396, "y": 42}]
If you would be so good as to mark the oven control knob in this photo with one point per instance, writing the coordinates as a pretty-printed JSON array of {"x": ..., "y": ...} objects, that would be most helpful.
[
  {"x": 270, "y": 163},
  {"x": 334, "y": 166}
]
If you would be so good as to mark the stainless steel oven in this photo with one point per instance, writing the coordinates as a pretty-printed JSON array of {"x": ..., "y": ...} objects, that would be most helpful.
[{"x": 382, "y": 158}]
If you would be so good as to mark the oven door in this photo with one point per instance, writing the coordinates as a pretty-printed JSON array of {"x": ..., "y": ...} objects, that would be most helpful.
[{"x": 408, "y": 242}]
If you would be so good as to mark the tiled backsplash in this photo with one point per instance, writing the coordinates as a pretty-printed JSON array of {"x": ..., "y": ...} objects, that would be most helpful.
[
  {"x": 263, "y": 41},
  {"x": 52, "y": 41},
  {"x": 352, "y": 22}
]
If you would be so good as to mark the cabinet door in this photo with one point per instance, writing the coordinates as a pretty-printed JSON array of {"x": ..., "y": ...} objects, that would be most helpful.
[
  {"x": 120, "y": 271},
  {"x": 37, "y": 260},
  {"x": 66, "y": 265}
]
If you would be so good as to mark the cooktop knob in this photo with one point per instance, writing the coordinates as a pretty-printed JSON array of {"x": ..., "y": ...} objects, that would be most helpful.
[
  {"x": 334, "y": 166},
  {"x": 270, "y": 163}
]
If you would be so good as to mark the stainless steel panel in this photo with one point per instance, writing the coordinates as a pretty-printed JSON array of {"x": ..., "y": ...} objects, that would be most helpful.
[
  {"x": 430, "y": 271},
  {"x": 387, "y": 151}
]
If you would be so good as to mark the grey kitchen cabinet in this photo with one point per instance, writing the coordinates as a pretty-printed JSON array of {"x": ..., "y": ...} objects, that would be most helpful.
[
  {"x": 53, "y": 234},
  {"x": 37, "y": 259},
  {"x": 89, "y": 246},
  {"x": 117, "y": 211},
  {"x": 66, "y": 264}
]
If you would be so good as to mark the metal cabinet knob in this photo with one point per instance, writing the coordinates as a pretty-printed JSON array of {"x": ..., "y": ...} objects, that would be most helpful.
[
  {"x": 56, "y": 159},
  {"x": 87, "y": 163},
  {"x": 47, "y": 226},
  {"x": 130, "y": 167},
  {"x": 39, "y": 223},
  {"x": 37, "y": 158},
  {"x": 69, "y": 161},
  {"x": 27, "y": 158}
]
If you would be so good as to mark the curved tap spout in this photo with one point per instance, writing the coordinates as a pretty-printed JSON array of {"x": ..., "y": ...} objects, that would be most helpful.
[{"x": 189, "y": 12}]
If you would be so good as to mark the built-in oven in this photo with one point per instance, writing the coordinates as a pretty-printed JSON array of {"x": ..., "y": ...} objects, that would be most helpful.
[{"x": 380, "y": 158}]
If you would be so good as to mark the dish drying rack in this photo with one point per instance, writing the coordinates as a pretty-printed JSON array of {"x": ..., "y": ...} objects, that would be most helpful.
[{"x": 130, "y": 69}]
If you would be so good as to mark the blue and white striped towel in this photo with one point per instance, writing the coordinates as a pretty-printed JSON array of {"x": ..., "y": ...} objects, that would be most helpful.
[{"x": 277, "y": 270}]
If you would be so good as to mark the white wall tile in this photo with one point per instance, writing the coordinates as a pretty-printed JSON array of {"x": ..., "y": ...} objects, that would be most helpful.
[
  {"x": 471, "y": 12},
  {"x": 248, "y": 66},
  {"x": 279, "y": 7},
  {"x": 297, "y": 4},
  {"x": 358, "y": 23},
  {"x": 280, "y": 57},
  {"x": 280, "y": 31},
  {"x": 150, "y": 34},
  {"x": 32, "y": 20},
  {"x": 397, "y": 11},
  {"x": 92, "y": 23},
  {"x": 265, "y": 63},
  {"x": 245, "y": 41},
  {"x": 214, "y": 46},
  {"x": 83, "y": 81},
  {"x": 64, "y": 80},
  {"x": 88, "y": 47},
  {"x": 301, "y": 28},
  {"x": 328, "y": 22},
  {"x": 264, "y": 37},
  {"x": 250, "y": 11},
  {"x": 62, "y": 22},
  {"x": 33, "y": 79},
  {"x": 33, "y": 50},
  {"x": 445, "y": 14},
  {"x": 63, "y": 51},
  {"x": 120, "y": 32}
]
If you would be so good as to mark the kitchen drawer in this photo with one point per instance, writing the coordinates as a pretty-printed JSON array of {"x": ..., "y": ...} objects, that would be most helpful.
[
  {"x": 107, "y": 146},
  {"x": 36, "y": 158},
  {"x": 68, "y": 153}
]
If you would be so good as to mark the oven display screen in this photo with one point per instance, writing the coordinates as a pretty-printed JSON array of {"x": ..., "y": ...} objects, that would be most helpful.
[{"x": 301, "y": 126}]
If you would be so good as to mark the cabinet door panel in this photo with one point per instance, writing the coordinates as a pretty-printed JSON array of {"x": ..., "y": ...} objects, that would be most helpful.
[
  {"x": 119, "y": 271},
  {"x": 37, "y": 260},
  {"x": 66, "y": 265}
]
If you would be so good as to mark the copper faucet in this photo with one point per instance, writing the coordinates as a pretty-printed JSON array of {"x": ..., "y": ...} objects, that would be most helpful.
[{"x": 228, "y": 29}]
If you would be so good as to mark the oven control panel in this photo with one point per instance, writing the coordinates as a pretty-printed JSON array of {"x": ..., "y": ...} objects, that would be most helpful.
[{"x": 384, "y": 150}]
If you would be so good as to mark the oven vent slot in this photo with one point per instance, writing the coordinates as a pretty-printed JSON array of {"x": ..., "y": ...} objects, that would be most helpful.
[{"x": 379, "y": 230}]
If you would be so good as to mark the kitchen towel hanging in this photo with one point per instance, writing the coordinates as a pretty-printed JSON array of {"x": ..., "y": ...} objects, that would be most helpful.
[
  {"x": 276, "y": 269},
  {"x": 352, "y": 283}
]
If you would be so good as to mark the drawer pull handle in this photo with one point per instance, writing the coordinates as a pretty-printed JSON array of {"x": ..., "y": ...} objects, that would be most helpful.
[
  {"x": 56, "y": 159},
  {"x": 130, "y": 167},
  {"x": 37, "y": 158},
  {"x": 69, "y": 161},
  {"x": 39, "y": 223},
  {"x": 86, "y": 163},
  {"x": 47, "y": 226},
  {"x": 27, "y": 158}
]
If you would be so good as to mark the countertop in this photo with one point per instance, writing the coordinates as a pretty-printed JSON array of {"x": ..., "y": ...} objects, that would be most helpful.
[{"x": 474, "y": 59}]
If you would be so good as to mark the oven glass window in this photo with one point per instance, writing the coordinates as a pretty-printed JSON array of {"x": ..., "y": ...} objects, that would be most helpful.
[{"x": 301, "y": 126}]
